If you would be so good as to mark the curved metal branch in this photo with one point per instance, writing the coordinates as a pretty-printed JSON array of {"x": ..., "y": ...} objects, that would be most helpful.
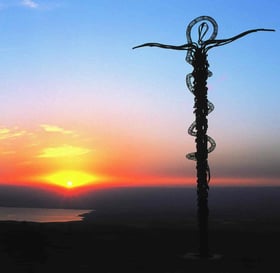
[
  {"x": 181, "y": 47},
  {"x": 216, "y": 43}
]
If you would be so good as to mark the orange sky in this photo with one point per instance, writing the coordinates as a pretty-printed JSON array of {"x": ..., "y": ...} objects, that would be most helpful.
[
  {"x": 53, "y": 155},
  {"x": 49, "y": 154}
]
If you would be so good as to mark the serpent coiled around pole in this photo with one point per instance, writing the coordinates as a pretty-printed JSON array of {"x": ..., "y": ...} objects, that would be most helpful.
[{"x": 197, "y": 80}]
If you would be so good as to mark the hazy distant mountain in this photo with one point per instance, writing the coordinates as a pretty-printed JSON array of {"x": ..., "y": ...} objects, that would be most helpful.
[{"x": 228, "y": 201}]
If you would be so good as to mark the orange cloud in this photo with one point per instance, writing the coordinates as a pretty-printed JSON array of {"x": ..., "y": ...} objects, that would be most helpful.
[
  {"x": 63, "y": 151},
  {"x": 6, "y": 133},
  {"x": 56, "y": 129}
]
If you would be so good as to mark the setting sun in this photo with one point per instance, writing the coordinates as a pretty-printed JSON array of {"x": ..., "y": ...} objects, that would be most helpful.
[
  {"x": 70, "y": 179},
  {"x": 69, "y": 184}
]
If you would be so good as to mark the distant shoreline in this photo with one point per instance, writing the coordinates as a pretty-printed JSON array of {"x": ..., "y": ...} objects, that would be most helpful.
[{"x": 41, "y": 215}]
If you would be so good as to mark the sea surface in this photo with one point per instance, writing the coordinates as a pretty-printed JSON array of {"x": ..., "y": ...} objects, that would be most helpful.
[{"x": 40, "y": 215}]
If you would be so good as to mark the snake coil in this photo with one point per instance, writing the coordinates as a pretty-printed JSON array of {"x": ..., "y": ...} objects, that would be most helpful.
[{"x": 191, "y": 79}]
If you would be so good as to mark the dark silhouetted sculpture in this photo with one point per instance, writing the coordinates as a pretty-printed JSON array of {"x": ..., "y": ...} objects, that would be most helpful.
[{"x": 197, "y": 84}]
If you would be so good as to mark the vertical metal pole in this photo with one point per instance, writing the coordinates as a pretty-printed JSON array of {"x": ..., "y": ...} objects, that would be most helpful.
[{"x": 200, "y": 75}]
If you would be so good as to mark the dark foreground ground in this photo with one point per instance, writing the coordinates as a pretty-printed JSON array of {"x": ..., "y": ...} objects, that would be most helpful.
[
  {"x": 245, "y": 246},
  {"x": 145, "y": 230}
]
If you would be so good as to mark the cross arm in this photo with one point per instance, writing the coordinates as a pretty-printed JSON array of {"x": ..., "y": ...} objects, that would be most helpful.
[
  {"x": 215, "y": 43},
  {"x": 181, "y": 47}
]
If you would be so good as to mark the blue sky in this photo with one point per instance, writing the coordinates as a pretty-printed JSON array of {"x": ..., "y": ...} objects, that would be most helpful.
[{"x": 70, "y": 64}]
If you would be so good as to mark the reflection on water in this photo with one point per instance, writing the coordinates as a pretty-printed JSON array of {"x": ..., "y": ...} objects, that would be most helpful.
[{"x": 40, "y": 215}]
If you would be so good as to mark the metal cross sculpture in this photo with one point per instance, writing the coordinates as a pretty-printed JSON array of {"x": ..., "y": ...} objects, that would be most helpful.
[{"x": 197, "y": 84}]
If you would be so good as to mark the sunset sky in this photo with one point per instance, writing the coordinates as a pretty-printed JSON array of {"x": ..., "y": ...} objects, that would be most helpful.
[{"x": 80, "y": 107}]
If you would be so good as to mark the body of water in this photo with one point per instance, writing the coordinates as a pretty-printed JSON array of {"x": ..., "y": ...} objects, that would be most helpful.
[{"x": 40, "y": 215}]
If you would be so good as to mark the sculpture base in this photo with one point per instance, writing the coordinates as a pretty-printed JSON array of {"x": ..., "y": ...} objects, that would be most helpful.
[{"x": 197, "y": 256}]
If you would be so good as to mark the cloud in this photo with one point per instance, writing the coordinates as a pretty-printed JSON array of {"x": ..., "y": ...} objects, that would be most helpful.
[
  {"x": 55, "y": 129},
  {"x": 30, "y": 4},
  {"x": 6, "y": 133},
  {"x": 63, "y": 151}
]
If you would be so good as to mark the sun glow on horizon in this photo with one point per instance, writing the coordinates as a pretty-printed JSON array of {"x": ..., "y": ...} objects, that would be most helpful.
[{"x": 70, "y": 179}]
